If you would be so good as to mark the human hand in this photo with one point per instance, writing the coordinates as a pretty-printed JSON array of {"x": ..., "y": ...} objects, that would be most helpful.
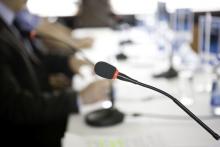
[
  {"x": 59, "y": 81},
  {"x": 97, "y": 91},
  {"x": 83, "y": 43},
  {"x": 75, "y": 64}
]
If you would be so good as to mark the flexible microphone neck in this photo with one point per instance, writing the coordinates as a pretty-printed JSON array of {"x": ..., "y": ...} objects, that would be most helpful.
[
  {"x": 193, "y": 116},
  {"x": 106, "y": 70}
]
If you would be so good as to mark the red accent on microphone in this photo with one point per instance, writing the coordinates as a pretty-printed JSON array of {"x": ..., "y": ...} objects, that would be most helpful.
[{"x": 115, "y": 74}]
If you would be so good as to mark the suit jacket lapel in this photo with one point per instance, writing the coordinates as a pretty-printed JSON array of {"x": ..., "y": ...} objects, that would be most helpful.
[
  {"x": 8, "y": 37},
  {"x": 17, "y": 39}
]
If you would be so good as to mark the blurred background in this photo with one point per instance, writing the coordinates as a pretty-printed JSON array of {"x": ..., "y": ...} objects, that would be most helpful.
[
  {"x": 171, "y": 44},
  {"x": 68, "y": 10},
  {"x": 174, "y": 42}
]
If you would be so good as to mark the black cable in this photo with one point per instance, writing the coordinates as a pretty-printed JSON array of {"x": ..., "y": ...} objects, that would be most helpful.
[{"x": 170, "y": 116}]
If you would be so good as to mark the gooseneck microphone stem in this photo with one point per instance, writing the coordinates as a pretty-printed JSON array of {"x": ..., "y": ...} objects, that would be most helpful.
[
  {"x": 193, "y": 116},
  {"x": 108, "y": 71}
]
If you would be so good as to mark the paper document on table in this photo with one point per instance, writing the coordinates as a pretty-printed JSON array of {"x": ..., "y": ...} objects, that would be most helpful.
[{"x": 72, "y": 140}]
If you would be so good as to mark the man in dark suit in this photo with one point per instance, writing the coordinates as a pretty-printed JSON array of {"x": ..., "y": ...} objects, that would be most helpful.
[
  {"x": 29, "y": 116},
  {"x": 55, "y": 68}
]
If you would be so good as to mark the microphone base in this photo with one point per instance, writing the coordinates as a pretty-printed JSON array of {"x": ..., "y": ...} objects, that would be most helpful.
[
  {"x": 104, "y": 117},
  {"x": 171, "y": 73},
  {"x": 121, "y": 56}
]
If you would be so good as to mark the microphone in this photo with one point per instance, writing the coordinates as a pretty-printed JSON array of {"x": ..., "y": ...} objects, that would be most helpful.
[{"x": 108, "y": 71}]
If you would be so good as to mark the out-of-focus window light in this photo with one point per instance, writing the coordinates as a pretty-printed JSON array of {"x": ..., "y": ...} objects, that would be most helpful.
[
  {"x": 150, "y": 6},
  {"x": 194, "y": 5},
  {"x": 53, "y": 8},
  {"x": 133, "y": 6},
  {"x": 71, "y": 7}
]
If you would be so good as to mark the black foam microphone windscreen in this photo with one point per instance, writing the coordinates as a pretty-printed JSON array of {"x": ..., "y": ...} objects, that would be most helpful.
[{"x": 105, "y": 70}]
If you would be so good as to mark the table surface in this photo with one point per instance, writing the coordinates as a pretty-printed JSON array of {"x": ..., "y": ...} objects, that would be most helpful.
[{"x": 161, "y": 118}]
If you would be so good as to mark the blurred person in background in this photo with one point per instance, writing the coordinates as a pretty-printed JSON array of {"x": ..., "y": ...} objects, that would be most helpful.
[
  {"x": 29, "y": 115},
  {"x": 95, "y": 13}
]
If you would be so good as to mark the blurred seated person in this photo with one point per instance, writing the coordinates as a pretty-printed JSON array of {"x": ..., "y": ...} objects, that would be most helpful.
[
  {"x": 29, "y": 115},
  {"x": 95, "y": 13}
]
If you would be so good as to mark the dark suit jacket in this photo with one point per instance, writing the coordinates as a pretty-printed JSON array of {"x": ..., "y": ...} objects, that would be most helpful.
[
  {"x": 48, "y": 63},
  {"x": 28, "y": 117},
  {"x": 45, "y": 63}
]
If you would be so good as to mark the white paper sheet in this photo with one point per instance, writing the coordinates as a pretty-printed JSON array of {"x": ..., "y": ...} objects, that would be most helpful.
[{"x": 72, "y": 140}]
